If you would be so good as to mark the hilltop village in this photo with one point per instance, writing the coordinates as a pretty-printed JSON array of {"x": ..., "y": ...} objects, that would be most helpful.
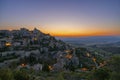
[
  {"x": 34, "y": 49},
  {"x": 39, "y": 52}
]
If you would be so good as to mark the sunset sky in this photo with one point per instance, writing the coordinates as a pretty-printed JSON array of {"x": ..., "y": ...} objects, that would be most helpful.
[{"x": 62, "y": 17}]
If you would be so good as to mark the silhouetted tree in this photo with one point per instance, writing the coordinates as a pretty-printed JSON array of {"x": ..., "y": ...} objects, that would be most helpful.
[{"x": 46, "y": 67}]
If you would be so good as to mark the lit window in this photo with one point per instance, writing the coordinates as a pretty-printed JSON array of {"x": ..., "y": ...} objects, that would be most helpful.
[
  {"x": 50, "y": 67},
  {"x": 35, "y": 39},
  {"x": 23, "y": 65},
  {"x": 94, "y": 59},
  {"x": 88, "y": 55},
  {"x": 67, "y": 51},
  {"x": 8, "y": 44},
  {"x": 69, "y": 56},
  {"x": 84, "y": 69}
]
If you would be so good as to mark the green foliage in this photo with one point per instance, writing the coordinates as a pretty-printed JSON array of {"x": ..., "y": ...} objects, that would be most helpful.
[
  {"x": 115, "y": 76},
  {"x": 114, "y": 66},
  {"x": 21, "y": 75},
  {"x": 101, "y": 74},
  {"x": 13, "y": 65},
  {"x": 6, "y": 74},
  {"x": 60, "y": 77},
  {"x": 45, "y": 67}
]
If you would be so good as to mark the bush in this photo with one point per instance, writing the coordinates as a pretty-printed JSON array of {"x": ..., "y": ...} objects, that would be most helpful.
[
  {"x": 115, "y": 76},
  {"x": 21, "y": 75},
  {"x": 6, "y": 74},
  {"x": 114, "y": 66},
  {"x": 45, "y": 67},
  {"x": 101, "y": 74}
]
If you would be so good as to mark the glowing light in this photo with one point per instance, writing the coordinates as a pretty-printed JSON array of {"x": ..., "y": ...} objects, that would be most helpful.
[
  {"x": 88, "y": 55},
  {"x": 101, "y": 64},
  {"x": 84, "y": 69},
  {"x": 50, "y": 67},
  {"x": 94, "y": 59},
  {"x": 69, "y": 56},
  {"x": 8, "y": 44},
  {"x": 35, "y": 39},
  {"x": 67, "y": 51},
  {"x": 23, "y": 65}
]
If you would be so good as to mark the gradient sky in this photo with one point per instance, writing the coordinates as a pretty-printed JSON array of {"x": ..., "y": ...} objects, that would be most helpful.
[{"x": 62, "y": 17}]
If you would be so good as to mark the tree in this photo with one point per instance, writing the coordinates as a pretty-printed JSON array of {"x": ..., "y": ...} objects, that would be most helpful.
[
  {"x": 101, "y": 74},
  {"x": 21, "y": 75},
  {"x": 70, "y": 66},
  {"x": 46, "y": 67},
  {"x": 114, "y": 66}
]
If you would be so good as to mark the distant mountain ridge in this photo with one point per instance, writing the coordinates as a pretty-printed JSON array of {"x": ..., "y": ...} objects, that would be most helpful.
[{"x": 92, "y": 40}]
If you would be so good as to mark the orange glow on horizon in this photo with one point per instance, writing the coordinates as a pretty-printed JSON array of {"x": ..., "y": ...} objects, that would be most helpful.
[
  {"x": 71, "y": 31},
  {"x": 85, "y": 34}
]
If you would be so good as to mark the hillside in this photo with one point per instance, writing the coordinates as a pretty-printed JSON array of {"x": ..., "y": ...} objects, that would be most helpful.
[{"x": 42, "y": 56}]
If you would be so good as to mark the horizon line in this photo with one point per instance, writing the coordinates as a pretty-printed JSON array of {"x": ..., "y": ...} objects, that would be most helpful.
[{"x": 66, "y": 35}]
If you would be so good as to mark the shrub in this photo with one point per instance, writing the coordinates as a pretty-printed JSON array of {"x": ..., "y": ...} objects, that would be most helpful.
[
  {"x": 21, "y": 75},
  {"x": 6, "y": 74},
  {"x": 101, "y": 74}
]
